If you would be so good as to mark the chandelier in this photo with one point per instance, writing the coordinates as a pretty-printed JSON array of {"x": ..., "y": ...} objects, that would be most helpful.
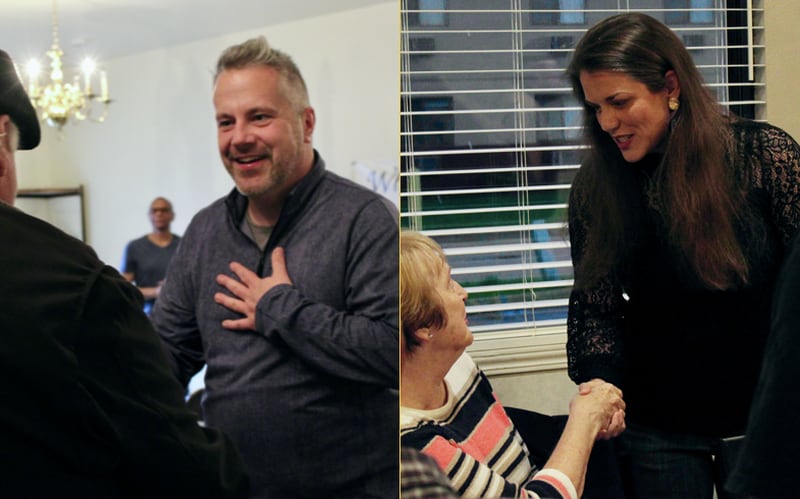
[{"x": 58, "y": 102}]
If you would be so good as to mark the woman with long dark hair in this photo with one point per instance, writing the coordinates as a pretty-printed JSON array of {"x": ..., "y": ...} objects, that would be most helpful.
[{"x": 679, "y": 219}]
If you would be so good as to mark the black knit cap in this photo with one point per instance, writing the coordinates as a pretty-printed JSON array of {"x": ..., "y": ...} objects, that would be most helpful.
[{"x": 14, "y": 101}]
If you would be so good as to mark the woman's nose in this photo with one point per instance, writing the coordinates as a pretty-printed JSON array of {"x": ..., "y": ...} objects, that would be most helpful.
[
  {"x": 462, "y": 292},
  {"x": 608, "y": 120}
]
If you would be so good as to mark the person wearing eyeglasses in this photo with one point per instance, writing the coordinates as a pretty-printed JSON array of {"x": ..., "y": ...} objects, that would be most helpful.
[{"x": 146, "y": 259}]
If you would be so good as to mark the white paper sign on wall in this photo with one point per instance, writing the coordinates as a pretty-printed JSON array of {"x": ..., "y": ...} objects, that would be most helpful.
[{"x": 381, "y": 176}]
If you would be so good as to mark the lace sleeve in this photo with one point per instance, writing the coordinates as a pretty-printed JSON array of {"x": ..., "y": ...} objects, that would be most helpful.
[
  {"x": 594, "y": 343},
  {"x": 779, "y": 174}
]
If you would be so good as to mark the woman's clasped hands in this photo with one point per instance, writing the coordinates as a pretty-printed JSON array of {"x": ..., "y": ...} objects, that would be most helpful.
[{"x": 602, "y": 403}]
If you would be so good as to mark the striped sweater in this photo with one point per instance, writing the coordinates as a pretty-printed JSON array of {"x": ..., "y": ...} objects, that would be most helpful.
[{"x": 475, "y": 443}]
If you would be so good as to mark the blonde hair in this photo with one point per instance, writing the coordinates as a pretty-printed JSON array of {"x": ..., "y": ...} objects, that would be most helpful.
[{"x": 421, "y": 261}]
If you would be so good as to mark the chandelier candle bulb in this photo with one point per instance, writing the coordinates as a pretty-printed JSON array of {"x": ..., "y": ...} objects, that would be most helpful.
[
  {"x": 33, "y": 69},
  {"x": 103, "y": 87},
  {"x": 88, "y": 69}
]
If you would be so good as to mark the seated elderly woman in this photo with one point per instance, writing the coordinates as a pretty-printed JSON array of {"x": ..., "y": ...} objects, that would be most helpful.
[{"x": 448, "y": 409}]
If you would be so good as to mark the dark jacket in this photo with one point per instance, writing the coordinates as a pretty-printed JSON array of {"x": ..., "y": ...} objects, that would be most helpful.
[
  {"x": 310, "y": 397},
  {"x": 687, "y": 358},
  {"x": 771, "y": 452},
  {"x": 89, "y": 406}
]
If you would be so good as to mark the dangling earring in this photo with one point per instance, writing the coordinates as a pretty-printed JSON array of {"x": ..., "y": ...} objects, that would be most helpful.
[{"x": 673, "y": 103}]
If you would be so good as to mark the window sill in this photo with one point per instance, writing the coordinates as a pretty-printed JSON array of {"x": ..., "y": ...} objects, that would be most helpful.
[{"x": 519, "y": 352}]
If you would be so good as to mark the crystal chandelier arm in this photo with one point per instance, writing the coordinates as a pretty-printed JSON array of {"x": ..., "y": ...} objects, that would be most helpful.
[{"x": 58, "y": 102}]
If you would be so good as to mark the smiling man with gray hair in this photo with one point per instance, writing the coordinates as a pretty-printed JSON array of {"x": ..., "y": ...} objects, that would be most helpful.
[{"x": 287, "y": 290}]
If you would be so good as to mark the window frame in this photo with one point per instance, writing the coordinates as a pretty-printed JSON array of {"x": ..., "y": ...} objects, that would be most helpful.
[{"x": 542, "y": 349}]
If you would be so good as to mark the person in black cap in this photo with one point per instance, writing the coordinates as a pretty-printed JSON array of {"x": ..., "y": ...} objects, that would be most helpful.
[
  {"x": 91, "y": 409},
  {"x": 19, "y": 126},
  {"x": 15, "y": 103}
]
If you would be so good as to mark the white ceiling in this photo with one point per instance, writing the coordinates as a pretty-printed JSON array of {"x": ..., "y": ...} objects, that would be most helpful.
[{"x": 107, "y": 29}]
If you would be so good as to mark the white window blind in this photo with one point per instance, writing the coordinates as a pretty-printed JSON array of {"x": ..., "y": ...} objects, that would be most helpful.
[{"x": 491, "y": 135}]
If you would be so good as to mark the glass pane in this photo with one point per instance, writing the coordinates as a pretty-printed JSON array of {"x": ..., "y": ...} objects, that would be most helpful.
[{"x": 492, "y": 139}]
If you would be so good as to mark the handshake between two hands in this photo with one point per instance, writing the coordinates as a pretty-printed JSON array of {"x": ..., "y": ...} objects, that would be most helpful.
[{"x": 600, "y": 402}]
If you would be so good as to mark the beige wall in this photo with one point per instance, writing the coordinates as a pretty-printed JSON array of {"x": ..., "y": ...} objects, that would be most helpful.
[
  {"x": 549, "y": 392},
  {"x": 781, "y": 18}
]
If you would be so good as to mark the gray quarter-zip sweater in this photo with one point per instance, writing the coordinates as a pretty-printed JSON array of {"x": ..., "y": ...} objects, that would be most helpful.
[{"x": 310, "y": 397}]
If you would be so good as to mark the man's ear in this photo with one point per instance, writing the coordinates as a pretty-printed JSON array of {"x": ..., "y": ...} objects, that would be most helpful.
[
  {"x": 309, "y": 123},
  {"x": 5, "y": 144},
  {"x": 5, "y": 128}
]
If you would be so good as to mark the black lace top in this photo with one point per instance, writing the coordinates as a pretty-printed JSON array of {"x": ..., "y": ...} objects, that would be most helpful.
[{"x": 686, "y": 358}]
